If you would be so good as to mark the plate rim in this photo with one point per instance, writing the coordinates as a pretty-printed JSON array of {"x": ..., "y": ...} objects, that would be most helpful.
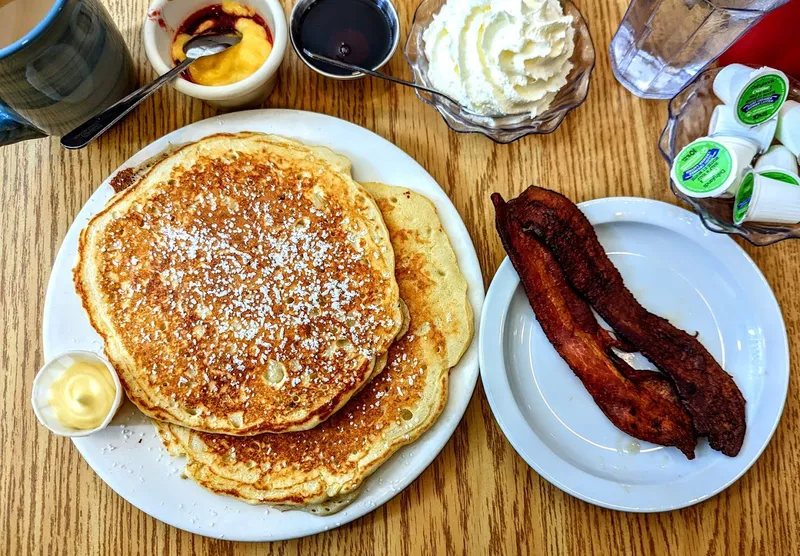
[
  {"x": 461, "y": 242},
  {"x": 498, "y": 299}
]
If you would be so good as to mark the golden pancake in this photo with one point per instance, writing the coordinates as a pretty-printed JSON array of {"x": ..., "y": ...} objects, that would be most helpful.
[
  {"x": 319, "y": 470},
  {"x": 244, "y": 284}
]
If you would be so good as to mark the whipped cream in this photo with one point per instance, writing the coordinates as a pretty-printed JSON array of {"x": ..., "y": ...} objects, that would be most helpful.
[{"x": 499, "y": 57}]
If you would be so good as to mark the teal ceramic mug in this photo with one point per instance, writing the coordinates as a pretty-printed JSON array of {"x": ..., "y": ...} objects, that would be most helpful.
[{"x": 72, "y": 65}]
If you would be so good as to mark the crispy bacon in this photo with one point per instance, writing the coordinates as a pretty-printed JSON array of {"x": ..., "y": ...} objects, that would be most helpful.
[
  {"x": 640, "y": 403},
  {"x": 709, "y": 393}
]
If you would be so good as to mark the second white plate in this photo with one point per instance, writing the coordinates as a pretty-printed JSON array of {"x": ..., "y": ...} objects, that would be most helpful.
[{"x": 700, "y": 281}]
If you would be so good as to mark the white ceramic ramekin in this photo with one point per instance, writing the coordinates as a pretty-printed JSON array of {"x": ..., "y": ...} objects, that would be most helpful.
[{"x": 164, "y": 17}]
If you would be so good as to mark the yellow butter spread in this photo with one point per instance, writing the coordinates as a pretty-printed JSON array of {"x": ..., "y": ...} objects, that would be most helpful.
[
  {"x": 237, "y": 62},
  {"x": 83, "y": 396}
]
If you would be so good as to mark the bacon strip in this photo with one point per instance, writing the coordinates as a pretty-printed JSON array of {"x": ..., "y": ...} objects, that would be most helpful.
[
  {"x": 709, "y": 393},
  {"x": 641, "y": 403}
]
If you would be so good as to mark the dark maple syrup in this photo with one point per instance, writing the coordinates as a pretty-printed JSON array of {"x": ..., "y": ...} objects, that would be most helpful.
[{"x": 353, "y": 31}]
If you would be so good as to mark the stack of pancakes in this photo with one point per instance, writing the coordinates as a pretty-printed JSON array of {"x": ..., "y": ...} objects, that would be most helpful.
[{"x": 286, "y": 328}]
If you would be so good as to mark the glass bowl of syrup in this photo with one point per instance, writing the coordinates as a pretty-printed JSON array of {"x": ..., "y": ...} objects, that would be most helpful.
[
  {"x": 506, "y": 128},
  {"x": 364, "y": 33}
]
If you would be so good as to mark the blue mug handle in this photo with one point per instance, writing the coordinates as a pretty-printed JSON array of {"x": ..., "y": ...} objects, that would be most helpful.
[{"x": 14, "y": 128}]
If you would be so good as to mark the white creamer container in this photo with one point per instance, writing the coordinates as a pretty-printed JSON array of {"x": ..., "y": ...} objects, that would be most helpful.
[
  {"x": 724, "y": 123},
  {"x": 779, "y": 164},
  {"x": 755, "y": 96},
  {"x": 788, "y": 130},
  {"x": 712, "y": 166},
  {"x": 763, "y": 199}
]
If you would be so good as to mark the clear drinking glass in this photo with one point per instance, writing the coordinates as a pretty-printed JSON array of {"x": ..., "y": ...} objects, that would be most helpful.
[{"x": 662, "y": 44}]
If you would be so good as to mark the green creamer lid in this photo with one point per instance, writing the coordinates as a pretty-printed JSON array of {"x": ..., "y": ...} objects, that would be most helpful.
[
  {"x": 743, "y": 197},
  {"x": 703, "y": 167},
  {"x": 781, "y": 176},
  {"x": 762, "y": 98}
]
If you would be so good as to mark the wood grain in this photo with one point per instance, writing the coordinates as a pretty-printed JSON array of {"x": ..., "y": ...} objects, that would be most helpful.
[{"x": 478, "y": 496}]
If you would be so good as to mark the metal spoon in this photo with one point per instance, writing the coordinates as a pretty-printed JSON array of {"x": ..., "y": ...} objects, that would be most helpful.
[
  {"x": 351, "y": 67},
  {"x": 204, "y": 44}
]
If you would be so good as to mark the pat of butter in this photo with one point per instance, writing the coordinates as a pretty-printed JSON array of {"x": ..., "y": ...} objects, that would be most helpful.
[{"x": 83, "y": 396}]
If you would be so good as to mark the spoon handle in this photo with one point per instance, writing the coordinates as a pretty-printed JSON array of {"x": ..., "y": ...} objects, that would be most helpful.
[
  {"x": 92, "y": 128},
  {"x": 351, "y": 67},
  {"x": 408, "y": 84}
]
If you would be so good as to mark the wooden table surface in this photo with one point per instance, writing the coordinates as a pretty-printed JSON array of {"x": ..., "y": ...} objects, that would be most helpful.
[{"x": 478, "y": 496}]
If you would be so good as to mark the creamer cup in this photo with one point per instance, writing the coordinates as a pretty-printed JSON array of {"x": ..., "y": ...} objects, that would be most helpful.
[
  {"x": 779, "y": 164},
  {"x": 754, "y": 96},
  {"x": 788, "y": 130},
  {"x": 712, "y": 166},
  {"x": 763, "y": 199},
  {"x": 792, "y": 178},
  {"x": 777, "y": 156},
  {"x": 723, "y": 123}
]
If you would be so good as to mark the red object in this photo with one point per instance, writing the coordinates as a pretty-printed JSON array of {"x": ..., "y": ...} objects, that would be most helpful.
[{"x": 773, "y": 42}]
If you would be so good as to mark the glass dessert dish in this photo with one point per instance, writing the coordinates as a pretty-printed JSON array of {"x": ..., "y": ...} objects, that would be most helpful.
[
  {"x": 504, "y": 129},
  {"x": 689, "y": 116}
]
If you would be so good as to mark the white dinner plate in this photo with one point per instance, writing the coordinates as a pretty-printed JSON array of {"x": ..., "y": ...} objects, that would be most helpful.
[
  {"x": 129, "y": 457},
  {"x": 701, "y": 282}
]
